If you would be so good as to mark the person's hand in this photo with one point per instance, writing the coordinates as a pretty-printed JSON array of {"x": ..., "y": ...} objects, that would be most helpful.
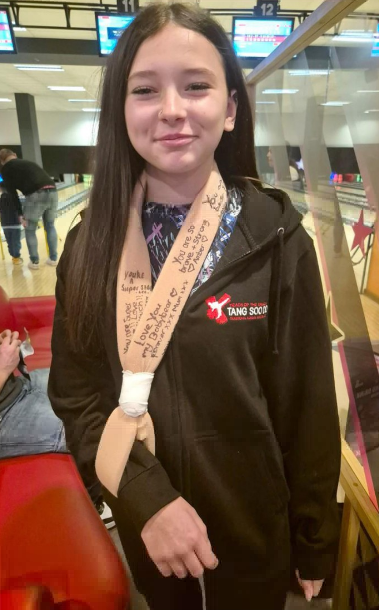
[
  {"x": 5, "y": 333},
  {"x": 9, "y": 352},
  {"x": 176, "y": 540},
  {"x": 8, "y": 333},
  {"x": 311, "y": 588},
  {"x": 24, "y": 222}
]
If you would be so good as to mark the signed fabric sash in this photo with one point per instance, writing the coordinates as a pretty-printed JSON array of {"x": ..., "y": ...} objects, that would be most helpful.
[{"x": 146, "y": 318}]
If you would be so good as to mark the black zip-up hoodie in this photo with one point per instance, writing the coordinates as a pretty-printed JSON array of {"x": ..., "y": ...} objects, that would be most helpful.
[{"x": 244, "y": 411}]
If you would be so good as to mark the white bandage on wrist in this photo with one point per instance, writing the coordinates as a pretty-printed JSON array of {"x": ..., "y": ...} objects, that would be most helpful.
[{"x": 135, "y": 392}]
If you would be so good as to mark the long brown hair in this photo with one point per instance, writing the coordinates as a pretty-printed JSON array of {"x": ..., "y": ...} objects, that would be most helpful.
[{"x": 97, "y": 250}]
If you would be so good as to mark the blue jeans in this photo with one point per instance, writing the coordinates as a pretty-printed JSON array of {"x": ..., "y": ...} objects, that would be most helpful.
[
  {"x": 30, "y": 426},
  {"x": 41, "y": 203},
  {"x": 13, "y": 237}
]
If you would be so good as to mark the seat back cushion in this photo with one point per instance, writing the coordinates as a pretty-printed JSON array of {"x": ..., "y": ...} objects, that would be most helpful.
[{"x": 51, "y": 535}]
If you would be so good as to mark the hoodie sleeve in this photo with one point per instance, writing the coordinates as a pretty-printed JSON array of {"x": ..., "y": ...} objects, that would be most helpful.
[
  {"x": 299, "y": 387},
  {"x": 83, "y": 394}
]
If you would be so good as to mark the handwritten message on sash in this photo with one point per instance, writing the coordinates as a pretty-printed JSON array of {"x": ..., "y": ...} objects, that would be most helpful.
[{"x": 149, "y": 317}]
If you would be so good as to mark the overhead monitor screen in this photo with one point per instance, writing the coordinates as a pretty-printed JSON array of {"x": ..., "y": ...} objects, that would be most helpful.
[
  {"x": 7, "y": 41},
  {"x": 109, "y": 28},
  {"x": 259, "y": 37},
  {"x": 375, "y": 48}
]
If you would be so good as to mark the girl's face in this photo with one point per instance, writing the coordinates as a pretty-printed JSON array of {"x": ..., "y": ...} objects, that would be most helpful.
[{"x": 177, "y": 103}]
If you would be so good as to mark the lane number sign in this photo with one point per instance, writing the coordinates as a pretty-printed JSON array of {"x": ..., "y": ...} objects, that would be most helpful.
[{"x": 266, "y": 8}]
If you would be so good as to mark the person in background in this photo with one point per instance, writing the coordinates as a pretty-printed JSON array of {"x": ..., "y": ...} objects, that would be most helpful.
[
  {"x": 10, "y": 218},
  {"x": 28, "y": 425},
  {"x": 41, "y": 200},
  {"x": 295, "y": 167}
]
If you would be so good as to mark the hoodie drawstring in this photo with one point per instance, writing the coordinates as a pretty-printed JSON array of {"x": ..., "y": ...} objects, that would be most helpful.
[{"x": 280, "y": 233}]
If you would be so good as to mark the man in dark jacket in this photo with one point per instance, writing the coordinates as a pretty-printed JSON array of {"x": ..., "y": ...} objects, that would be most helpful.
[{"x": 41, "y": 200}]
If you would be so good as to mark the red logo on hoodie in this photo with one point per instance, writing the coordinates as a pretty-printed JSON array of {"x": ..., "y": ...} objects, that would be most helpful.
[
  {"x": 215, "y": 308},
  {"x": 235, "y": 312}
]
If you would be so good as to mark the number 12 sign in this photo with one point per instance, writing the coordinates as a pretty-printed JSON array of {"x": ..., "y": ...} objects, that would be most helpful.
[{"x": 266, "y": 8}]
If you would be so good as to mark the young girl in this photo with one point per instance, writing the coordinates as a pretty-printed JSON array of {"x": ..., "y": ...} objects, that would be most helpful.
[{"x": 196, "y": 293}]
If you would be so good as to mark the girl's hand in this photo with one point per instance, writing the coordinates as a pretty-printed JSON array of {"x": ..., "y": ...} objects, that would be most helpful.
[
  {"x": 311, "y": 588},
  {"x": 176, "y": 540}
]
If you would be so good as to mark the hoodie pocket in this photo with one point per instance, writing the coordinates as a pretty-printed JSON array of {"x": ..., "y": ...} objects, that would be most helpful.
[{"x": 238, "y": 488}]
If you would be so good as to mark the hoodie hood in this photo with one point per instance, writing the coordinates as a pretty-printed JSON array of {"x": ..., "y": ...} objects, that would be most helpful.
[{"x": 271, "y": 210}]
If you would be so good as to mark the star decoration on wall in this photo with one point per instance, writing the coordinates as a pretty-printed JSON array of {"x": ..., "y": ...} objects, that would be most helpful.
[{"x": 360, "y": 233}]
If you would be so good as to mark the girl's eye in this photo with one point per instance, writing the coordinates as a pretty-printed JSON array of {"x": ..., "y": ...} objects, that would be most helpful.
[
  {"x": 191, "y": 87},
  {"x": 142, "y": 91},
  {"x": 198, "y": 86}
]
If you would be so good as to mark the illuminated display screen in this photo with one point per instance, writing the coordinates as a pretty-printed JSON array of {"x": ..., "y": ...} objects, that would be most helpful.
[
  {"x": 7, "y": 41},
  {"x": 110, "y": 27},
  {"x": 259, "y": 37},
  {"x": 375, "y": 48}
]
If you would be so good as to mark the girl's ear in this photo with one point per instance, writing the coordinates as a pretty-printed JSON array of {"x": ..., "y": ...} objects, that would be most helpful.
[{"x": 231, "y": 111}]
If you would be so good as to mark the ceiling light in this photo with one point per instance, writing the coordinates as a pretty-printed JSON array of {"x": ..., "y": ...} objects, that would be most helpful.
[
  {"x": 368, "y": 91},
  {"x": 53, "y": 88},
  {"x": 355, "y": 36},
  {"x": 91, "y": 109},
  {"x": 85, "y": 101},
  {"x": 265, "y": 102},
  {"x": 309, "y": 72},
  {"x": 374, "y": 110},
  {"x": 19, "y": 29},
  {"x": 38, "y": 68},
  {"x": 279, "y": 91},
  {"x": 335, "y": 103},
  {"x": 350, "y": 39},
  {"x": 353, "y": 32},
  {"x": 4, "y": 99}
]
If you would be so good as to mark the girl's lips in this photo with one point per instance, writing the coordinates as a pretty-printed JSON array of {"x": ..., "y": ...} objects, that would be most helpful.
[
  {"x": 176, "y": 136},
  {"x": 172, "y": 142}
]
